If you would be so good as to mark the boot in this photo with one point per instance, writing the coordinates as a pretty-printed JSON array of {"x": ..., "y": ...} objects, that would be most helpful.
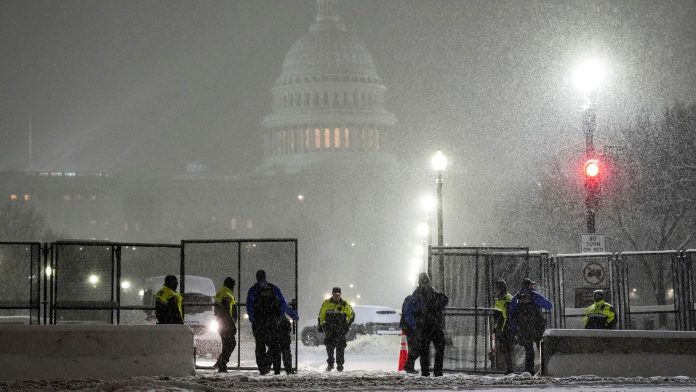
[
  {"x": 339, "y": 367},
  {"x": 222, "y": 369},
  {"x": 329, "y": 367}
]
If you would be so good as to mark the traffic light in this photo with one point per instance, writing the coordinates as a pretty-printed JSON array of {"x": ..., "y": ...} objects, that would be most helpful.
[
  {"x": 592, "y": 171},
  {"x": 592, "y": 168}
]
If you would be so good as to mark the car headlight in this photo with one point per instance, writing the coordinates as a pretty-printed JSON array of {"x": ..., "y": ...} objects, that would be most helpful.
[{"x": 213, "y": 326}]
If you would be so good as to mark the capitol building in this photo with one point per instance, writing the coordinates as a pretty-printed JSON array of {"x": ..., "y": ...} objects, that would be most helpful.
[
  {"x": 329, "y": 177},
  {"x": 329, "y": 102}
]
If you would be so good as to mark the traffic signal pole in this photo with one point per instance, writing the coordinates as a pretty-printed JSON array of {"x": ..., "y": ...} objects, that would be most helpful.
[{"x": 589, "y": 123}]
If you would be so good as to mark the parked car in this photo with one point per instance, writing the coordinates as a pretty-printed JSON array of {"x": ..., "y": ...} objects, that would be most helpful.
[{"x": 369, "y": 320}]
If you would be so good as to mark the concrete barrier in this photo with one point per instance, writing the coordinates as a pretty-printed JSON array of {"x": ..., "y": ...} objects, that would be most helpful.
[
  {"x": 609, "y": 353},
  {"x": 45, "y": 352}
]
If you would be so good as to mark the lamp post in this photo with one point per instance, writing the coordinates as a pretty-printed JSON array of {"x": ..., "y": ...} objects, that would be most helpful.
[
  {"x": 428, "y": 204},
  {"x": 587, "y": 79},
  {"x": 439, "y": 162}
]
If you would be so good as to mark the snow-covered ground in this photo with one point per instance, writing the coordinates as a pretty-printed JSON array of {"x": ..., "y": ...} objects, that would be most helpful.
[{"x": 371, "y": 363}]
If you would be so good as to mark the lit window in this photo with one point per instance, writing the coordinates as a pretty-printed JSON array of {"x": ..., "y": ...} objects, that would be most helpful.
[
  {"x": 327, "y": 138},
  {"x": 317, "y": 138},
  {"x": 233, "y": 223},
  {"x": 137, "y": 226},
  {"x": 250, "y": 224},
  {"x": 27, "y": 197},
  {"x": 346, "y": 132},
  {"x": 66, "y": 197},
  {"x": 13, "y": 197},
  {"x": 306, "y": 139},
  {"x": 125, "y": 227},
  {"x": 93, "y": 197},
  {"x": 337, "y": 138}
]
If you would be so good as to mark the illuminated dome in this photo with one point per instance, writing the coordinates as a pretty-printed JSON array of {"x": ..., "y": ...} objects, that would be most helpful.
[
  {"x": 328, "y": 103},
  {"x": 328, "y": 54}
]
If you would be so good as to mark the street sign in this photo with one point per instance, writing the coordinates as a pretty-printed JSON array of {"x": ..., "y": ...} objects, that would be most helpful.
[
  {"x": 592, "y": 243},
  {"x": 594, "y": 273}
]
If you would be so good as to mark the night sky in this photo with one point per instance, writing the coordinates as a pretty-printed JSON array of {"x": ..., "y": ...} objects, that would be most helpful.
[{"x": 147, "y": 85}]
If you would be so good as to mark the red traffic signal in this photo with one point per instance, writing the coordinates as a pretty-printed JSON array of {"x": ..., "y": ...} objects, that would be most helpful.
[{"x": 592, "y": 168}]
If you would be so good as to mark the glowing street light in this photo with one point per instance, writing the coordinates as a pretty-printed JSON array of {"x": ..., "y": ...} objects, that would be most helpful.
[
  {"x": 93, "y": 279},
  {"x": 589, "y": 76},
  {"x": 423, "y": 230}
]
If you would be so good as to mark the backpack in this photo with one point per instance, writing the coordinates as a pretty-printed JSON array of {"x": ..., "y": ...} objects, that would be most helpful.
[
  {"x": 529, "y": 318},
  {"x": 267, "y": 305}
]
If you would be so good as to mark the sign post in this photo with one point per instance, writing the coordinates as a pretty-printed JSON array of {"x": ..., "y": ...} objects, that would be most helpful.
[{"x": 592, "y": 243}]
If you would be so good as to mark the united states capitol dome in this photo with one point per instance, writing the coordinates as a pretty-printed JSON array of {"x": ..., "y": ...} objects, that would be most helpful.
[
  {"x": 328, "y": 51},
  {"x": 328, "y": 103}
]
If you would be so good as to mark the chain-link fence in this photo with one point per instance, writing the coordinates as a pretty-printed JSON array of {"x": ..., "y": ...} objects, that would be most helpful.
[
  {"x": 20, "y": 282},
  {"x": 215, "y": 260},
  {"x": 83, "y": 279},
  {"x": 141, "y": 269},
  {"x": 689, "y": 279},
  {"x": 576, "y": 277},
  {"x": 650, "y": 281},
  {"x": 467, "y": 275}
]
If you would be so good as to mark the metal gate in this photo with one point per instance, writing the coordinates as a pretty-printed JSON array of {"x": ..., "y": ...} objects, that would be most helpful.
[
  {"x": 239, "y": 259},
  {"x": 466, "y": 275},
  {"x": 575, "y": 277},
  {"x": 20, "y": 282}
]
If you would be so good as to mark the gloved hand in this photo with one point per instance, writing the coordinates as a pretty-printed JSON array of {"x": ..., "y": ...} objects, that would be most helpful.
[{"x": 320, "y": 328}]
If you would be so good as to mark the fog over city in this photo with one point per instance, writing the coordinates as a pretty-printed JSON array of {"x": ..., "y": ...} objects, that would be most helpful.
[
  {"x": 110, "y": 85},
  {"x": 163, "y": 89}
]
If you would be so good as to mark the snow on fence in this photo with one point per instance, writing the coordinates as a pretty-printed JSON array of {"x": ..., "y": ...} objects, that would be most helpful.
[
  {"x": 618, "y": 353},
  {"x": 46, "y": 352}
]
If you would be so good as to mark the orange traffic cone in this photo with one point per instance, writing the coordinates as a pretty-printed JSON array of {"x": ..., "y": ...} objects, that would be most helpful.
[{"x": 403, "y": 354}]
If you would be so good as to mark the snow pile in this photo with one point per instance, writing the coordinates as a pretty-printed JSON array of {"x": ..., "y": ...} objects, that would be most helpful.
[
  {"x": 375, "y": 345},
  {"x": 360, "y": 381}
]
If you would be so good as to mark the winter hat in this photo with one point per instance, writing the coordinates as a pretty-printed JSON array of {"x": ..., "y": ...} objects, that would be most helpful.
[
  {"x": 229, "y": 282},
  {"x": 260, "y": 276},
  {"x": 336, "y": 290},
  {"x": 423, "y": 279},
  {"x": 526, "y": 282},
  {"x": 171, "y": 282}
]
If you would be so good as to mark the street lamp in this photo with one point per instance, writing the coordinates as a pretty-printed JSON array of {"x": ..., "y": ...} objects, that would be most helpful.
[
  {"x": 439, "y": 162},
  {"x": 588, "y": 77}
]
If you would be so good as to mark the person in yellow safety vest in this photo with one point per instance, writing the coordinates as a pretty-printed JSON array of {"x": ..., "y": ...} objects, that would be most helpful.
[
  {"x": 226, "y": 314},
  {"x": 335, "y": 317},
  {"x": 168, "y": 303},
  {"x": 600, "y": 315},
  {"x": 504, "y": 341}
]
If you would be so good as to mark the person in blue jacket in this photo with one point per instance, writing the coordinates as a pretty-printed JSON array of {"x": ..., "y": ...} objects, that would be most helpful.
[
  {"x": 410, "y": 331},
  {"x": 527, "y": 322},
  {"x": 266, "y": 308}
]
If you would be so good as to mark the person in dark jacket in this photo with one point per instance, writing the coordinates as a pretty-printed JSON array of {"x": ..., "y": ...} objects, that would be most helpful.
[
  {"x": 410, "y": 332},
  {"x": 335, "y": 318},
  {"x": 600, "y": 315},
  {"x": 266, "y": 307},
  {"x": 168, "y": 303},
  {"x": 527, "y": 321},
  {"x": 503, "y": 338},
  {"x": 425, "y": 313},
  {"x": 226, "y": 314},
  {"x": 286, "y": 341}
]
